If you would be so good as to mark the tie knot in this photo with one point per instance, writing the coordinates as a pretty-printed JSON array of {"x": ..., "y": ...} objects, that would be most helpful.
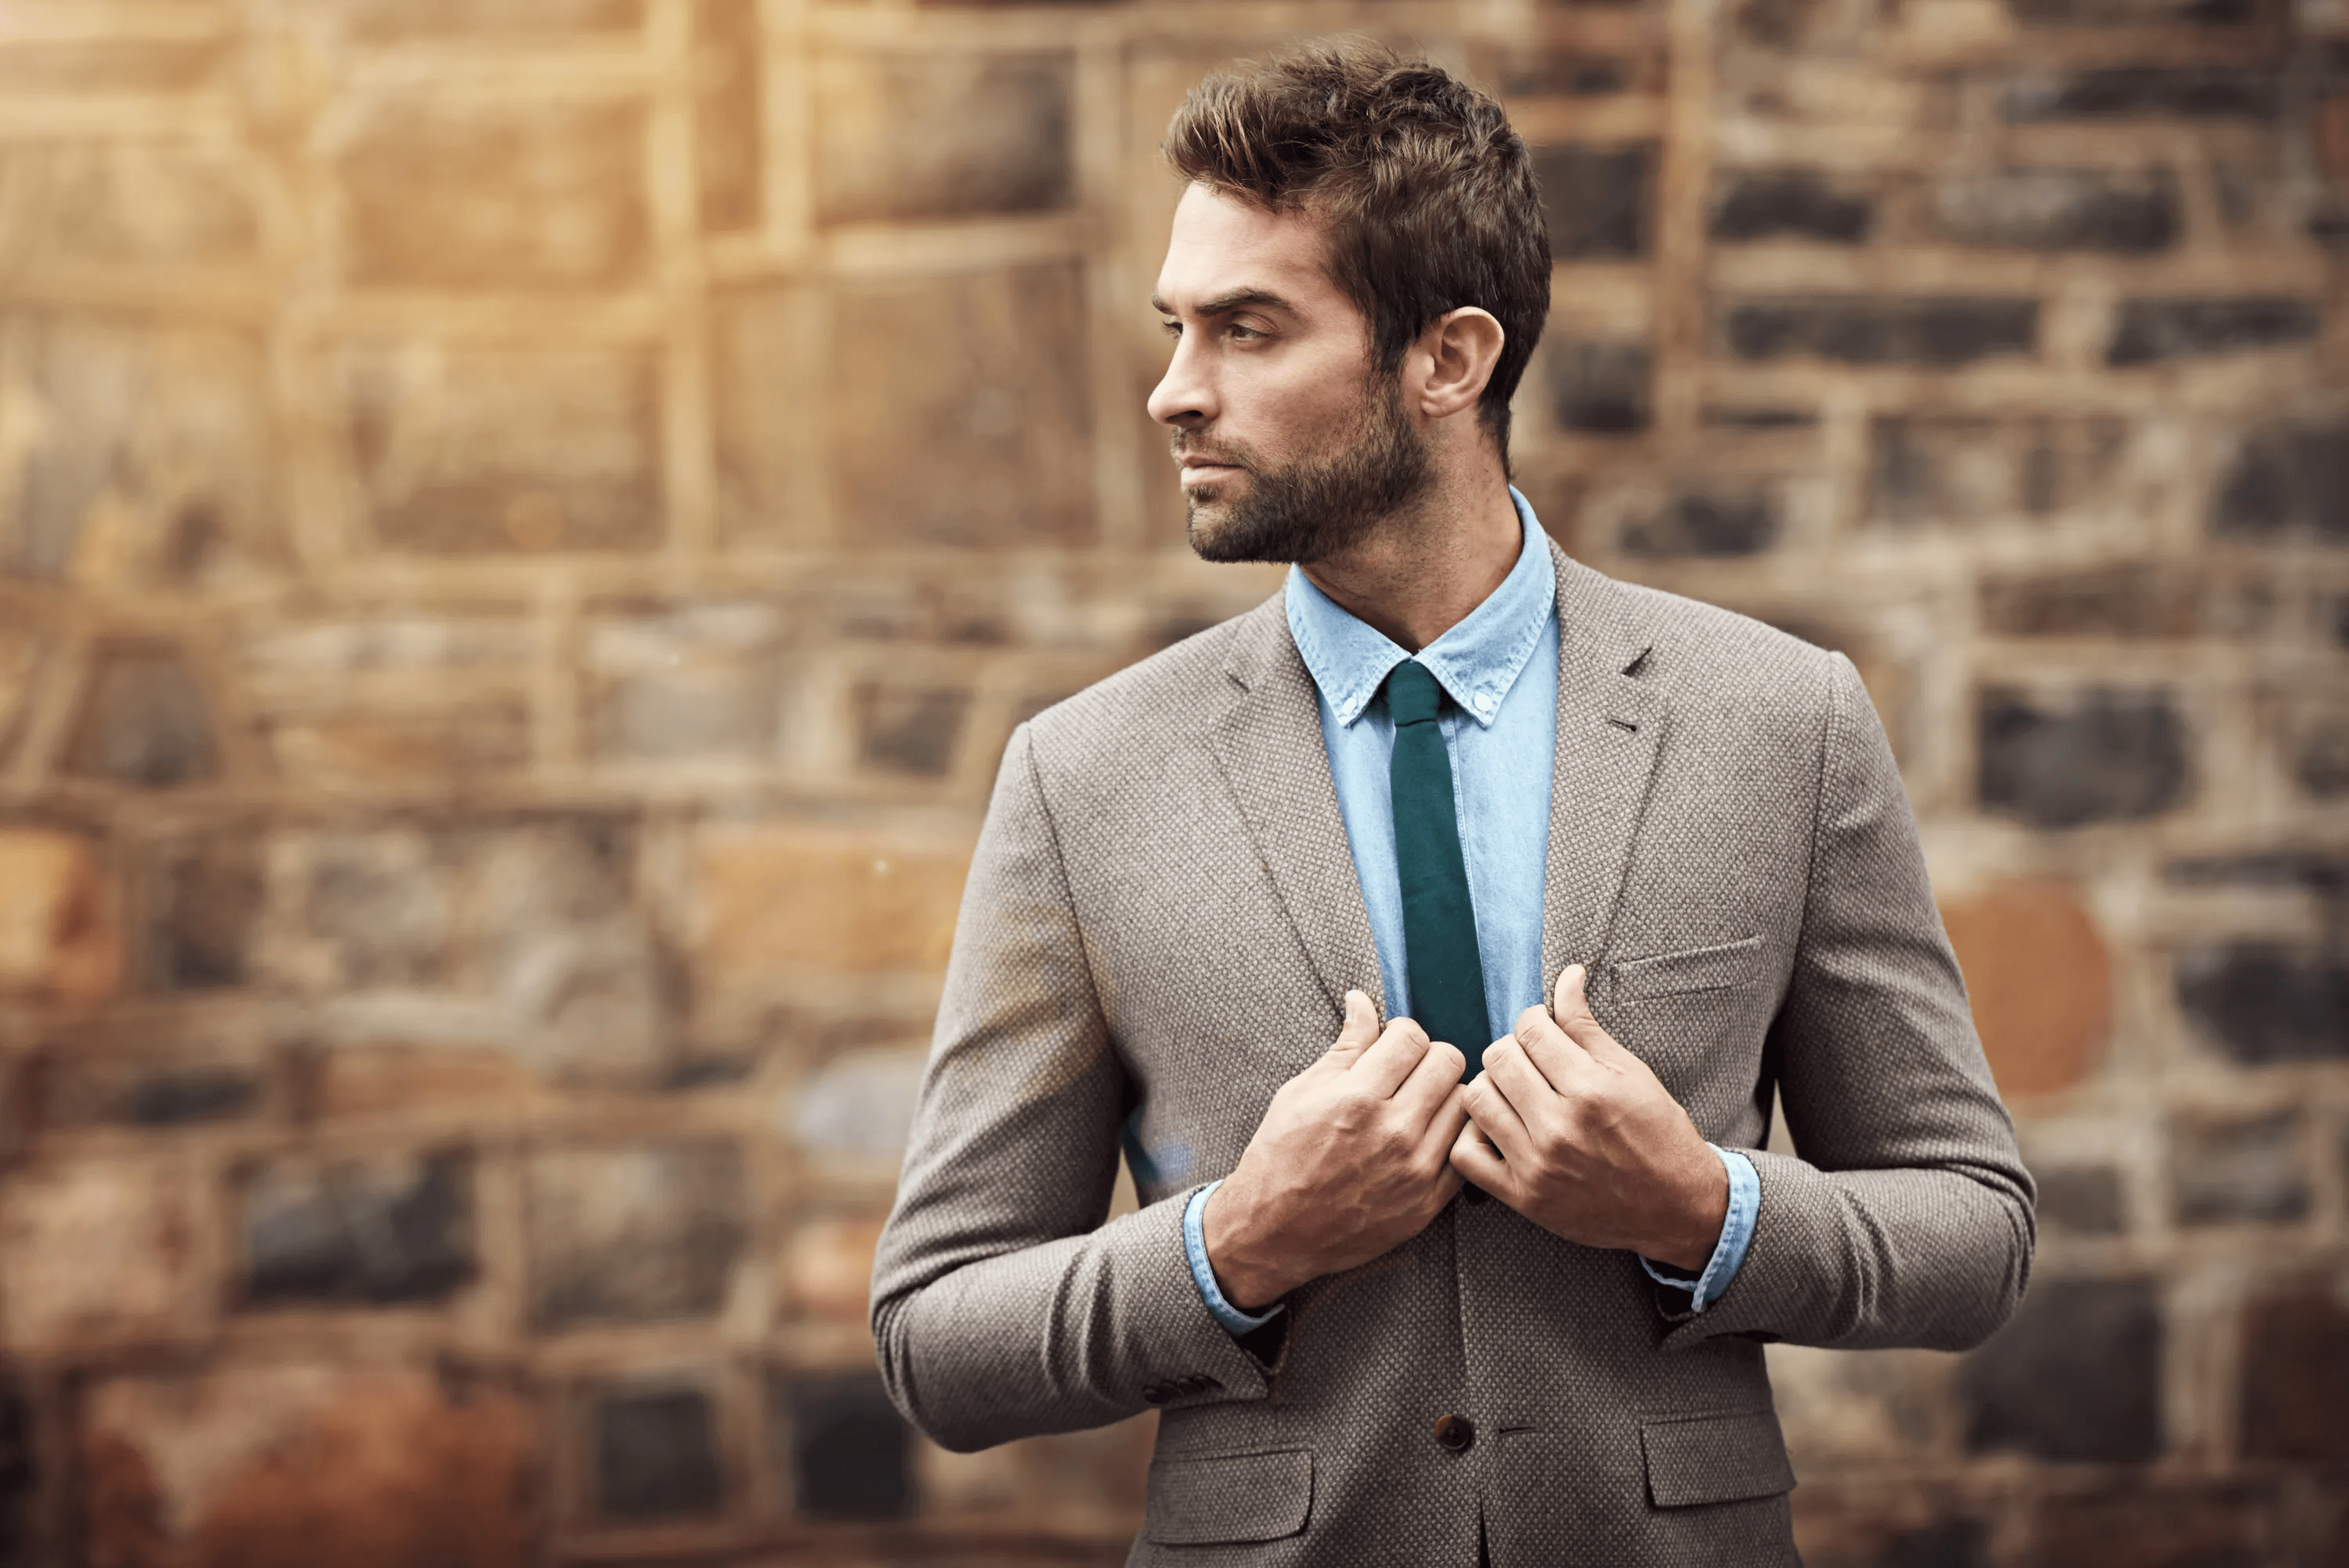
[{"x": 1412, "y": 694}]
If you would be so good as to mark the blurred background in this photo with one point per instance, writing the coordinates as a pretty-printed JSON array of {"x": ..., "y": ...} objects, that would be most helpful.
[{"x": 525, "y": 524}]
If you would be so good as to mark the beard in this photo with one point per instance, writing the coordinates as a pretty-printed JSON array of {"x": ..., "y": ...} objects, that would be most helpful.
[{"x": 1318, "y": 505}]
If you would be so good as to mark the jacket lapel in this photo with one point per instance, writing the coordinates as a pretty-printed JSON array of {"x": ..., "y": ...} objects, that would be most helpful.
[
  {"x": 1610, "y": 729},
  {"x": 1268, "y": 744}
]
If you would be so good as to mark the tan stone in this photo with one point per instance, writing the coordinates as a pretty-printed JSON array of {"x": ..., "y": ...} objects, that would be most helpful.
[
  {"x": 828, "y": 1266},
  {"x": 467, "y": 450},
  {"x": 139, "y": 204},
  {"x": 367, "y": 1081},
  {"x": 2039, "y": 979},
  {"x": 98, "y": 1251},
  {"x": 825, "y": 898},
  {"x": 59, "y": 933},
  {"x": 958, "y": 410},
  {"x": 497, "y": 194},
  {"x": 374, "y": 749},
  {"x": 308, "y": 1467}
]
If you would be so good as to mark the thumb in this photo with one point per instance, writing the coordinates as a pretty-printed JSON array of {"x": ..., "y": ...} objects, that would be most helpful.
[
  {"x": 1571, "y": 1006},
  {"x": 1361, "y": 1027}
]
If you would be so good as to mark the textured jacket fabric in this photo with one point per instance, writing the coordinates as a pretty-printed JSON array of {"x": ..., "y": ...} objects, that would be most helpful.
[{"x": 1160, "y": 926}]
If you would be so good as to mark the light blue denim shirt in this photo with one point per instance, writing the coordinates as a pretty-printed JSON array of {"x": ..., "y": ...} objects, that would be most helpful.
[{"x": 1500, "y": 667}]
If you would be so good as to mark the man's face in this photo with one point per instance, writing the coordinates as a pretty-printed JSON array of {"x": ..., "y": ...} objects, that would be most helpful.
[{"x": 1291, "y": 448}]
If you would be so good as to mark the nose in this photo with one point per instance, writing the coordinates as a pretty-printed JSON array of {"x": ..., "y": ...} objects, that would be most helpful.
[{"x": 1184, "y": 396}]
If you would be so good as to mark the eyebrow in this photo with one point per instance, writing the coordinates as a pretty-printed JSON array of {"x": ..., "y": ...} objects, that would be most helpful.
[{"x": 1225, "y": 305}]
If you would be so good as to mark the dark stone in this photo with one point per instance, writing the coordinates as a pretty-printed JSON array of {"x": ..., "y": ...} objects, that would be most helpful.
[
  {"x": 906, "y": 730},
  {"x": 2150, "y": 330},
  {"x": 851, "y": 1453},
  {"x": 2155, "y": 1524},
  {"x": 2076, "y": 1376},
  {"x": 1596, "y": 199},
  {"x": 2085, "y": 1201},
  {"x": 2288, "y": 480},
  {"x": 1777, "y": 24},
  {"x": 1699, "y": 524},
  {"x": 1858, "y": 331},
  {"x": 145, "y": 723},
  {"x": 2222, "y": 1171},
  {"x": 643, "y": 1234},
  {"x": 2126, "y": 601},
  {"x": 381, "y": 1234},
  {"x": 2101, "y": 210},
  {"x": 2136, "y": 13},
  {"x": 1945, "y": 1543},
  {"x": 1968, "y": 468},
  {"x": 1563, "y": 73},
  {"x": 2295, "y": 1389},
  {"x": 19, "y": 1474},
  {"x": 2262, "y": 1003},
  {"x": 1717, "y": 417},
  {"x": 1794, "y": 204},
  {"x": 208, "y": 896},
  {"x": 177, "y": 1099},
  {"x": 2148, "y": 92},
  {"x": 2325, "y": 875},
  {"x": 1602, "y": 388},
  {"x": 2321, "y": 761},
  {"x": 657, "y": 1455},
  {"x": 2113, "y": 756},
  {"x": 954, "y": 134}
]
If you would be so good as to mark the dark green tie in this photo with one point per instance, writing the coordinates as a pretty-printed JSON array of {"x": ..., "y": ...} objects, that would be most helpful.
[{"x": 1439, "y": 926}]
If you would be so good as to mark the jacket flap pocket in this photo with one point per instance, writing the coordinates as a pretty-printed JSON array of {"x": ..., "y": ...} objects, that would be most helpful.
[
  {"x": 1715, "y": 968},
  {"x": 1715, "y": 1458},
  {"x": 1231, "y": 1497}
]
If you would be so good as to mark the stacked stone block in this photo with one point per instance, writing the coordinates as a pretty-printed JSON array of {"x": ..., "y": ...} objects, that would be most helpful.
[{"x": 526, "y": 524}]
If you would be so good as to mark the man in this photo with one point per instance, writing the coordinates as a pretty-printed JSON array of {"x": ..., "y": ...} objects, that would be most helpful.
[{"x": 1658, "y": 856}]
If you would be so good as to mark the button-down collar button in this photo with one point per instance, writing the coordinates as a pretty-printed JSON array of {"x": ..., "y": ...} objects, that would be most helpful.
[{"x": 1484, "y": 702}]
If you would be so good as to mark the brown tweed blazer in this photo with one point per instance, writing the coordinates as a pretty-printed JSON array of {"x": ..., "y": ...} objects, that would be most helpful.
[{"x": 1160, "y": 921}]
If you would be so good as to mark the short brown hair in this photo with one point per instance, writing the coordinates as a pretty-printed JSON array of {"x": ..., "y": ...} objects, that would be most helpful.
[{"x": 1429, "y": 196}]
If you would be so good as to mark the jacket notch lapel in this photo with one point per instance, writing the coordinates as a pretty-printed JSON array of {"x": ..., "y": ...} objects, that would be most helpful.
[
  {"x": 1610, "y": 732},
  {"x": 1269, "y": 746}
]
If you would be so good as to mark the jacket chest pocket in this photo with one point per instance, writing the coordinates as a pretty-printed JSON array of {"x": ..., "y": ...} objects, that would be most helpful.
[{"x": 1721, "y": 966}]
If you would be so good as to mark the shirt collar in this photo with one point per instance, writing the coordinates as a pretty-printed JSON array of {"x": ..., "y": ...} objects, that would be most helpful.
[{"x": 1476, "y": 661}]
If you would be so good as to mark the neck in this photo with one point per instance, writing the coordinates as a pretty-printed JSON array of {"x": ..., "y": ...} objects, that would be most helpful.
[{"x": 1421, "y": 572}]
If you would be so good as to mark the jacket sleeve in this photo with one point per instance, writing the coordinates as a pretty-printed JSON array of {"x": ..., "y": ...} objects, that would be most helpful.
[
  {"x": 1002, "y": 1305},
  {"x": 1907, "y": 1218}
]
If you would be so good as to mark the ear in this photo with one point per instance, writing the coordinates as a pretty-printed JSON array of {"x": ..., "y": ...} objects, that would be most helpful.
[{"x": 1453, "y": 359}]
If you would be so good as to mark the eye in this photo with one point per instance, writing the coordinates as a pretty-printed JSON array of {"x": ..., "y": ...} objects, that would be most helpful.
[
  {"x": 1173, "y": 328},
  {"x": 1244, "y": 333}
]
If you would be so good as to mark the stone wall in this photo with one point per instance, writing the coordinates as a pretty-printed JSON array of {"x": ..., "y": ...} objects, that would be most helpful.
[{"x": 524, "y": 525}]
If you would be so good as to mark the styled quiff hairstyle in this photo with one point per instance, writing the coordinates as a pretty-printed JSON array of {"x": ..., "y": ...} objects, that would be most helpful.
[{"x": 1428, "y": 196}]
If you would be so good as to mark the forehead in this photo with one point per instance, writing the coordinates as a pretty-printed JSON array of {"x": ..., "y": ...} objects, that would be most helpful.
[{"x": 1220, "y": 246}]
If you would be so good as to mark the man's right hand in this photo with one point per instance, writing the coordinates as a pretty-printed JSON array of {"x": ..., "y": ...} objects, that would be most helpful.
[{"x": 1351, "y": 1160}]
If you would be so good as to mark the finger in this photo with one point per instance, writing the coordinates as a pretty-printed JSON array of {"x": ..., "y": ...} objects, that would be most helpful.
[
  {"x": 1561, "y": 1059},
  {"x": 1491, "y": 1113},
  {"x": 1571, "y": 1008},
  {"x": 1520, "y": 1080},
  {"x": 1361, "y": 1028},
  {"x": 1474, "y": 1159},
  {"x": 1390, "y": 1058},
  {"x": 1450, "y": 1115},
  {"x": 1435, "y": 1076}
]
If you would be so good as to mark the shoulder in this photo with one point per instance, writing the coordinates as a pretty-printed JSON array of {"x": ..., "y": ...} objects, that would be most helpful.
[
  {"x": 1166, "y": 698},
  {"x": 1706, "y": 659}
]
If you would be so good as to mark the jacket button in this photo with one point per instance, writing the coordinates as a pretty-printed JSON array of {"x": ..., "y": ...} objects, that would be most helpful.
[
  {"x": 1472, "y": 1193},
  {"x": 1456, "y": 1434},
  {"x": 1157, "y": 1394}
]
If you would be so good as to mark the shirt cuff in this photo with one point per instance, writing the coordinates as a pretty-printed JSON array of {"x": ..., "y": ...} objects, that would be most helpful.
[
  {"x": 1736, "y": 1236},
  {"x": 1203, "y": 1274}
]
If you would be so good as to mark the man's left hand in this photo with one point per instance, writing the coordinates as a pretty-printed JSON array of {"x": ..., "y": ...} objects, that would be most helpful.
[{"x": 1576, "y": 1133}]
